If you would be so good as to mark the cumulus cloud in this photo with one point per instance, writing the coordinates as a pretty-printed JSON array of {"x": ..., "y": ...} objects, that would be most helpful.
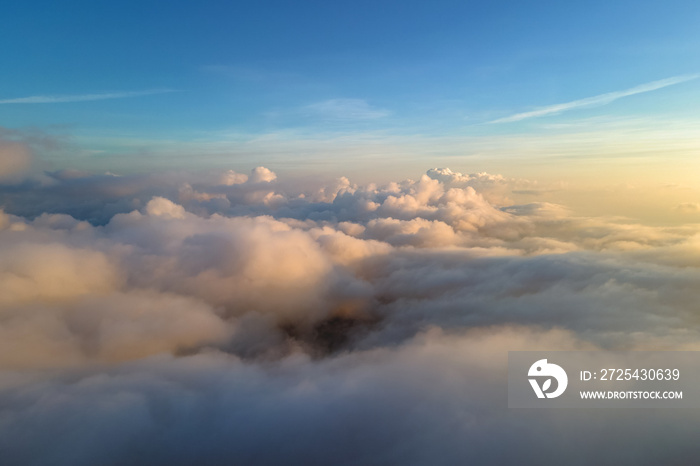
[
  {"x": 262, "y": 175},
  {"x": 230, "y": 177},
  {"x": 161, "y": 207},
  {"x": 174, "y": 319}
]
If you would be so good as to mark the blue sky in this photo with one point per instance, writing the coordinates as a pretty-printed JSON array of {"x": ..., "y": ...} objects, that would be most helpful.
[{"x": 128, "y": 77}]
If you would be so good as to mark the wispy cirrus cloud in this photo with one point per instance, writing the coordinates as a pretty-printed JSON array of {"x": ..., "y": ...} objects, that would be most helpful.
[
  {"x": 688, "y": 207},
  {"x": 55, "y": 99},
  {"x": 602, "y": 99},
  {"x": 345, "y": 109}
]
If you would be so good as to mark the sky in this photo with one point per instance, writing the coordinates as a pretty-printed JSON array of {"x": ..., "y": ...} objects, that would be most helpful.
[
  {"x": 135, "y": 86},
  {"x": 310, "y": 232}
]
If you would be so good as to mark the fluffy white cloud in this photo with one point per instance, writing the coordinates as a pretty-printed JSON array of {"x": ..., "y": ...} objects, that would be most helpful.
[
  {"x": 161, "y": 207},
  {"x": 230, "y": 177},
  {"x": 262, "y": 175}
]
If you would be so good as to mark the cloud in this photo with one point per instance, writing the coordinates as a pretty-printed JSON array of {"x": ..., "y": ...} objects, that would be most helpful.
[
  {"x": 16, "y": 160},
  {"x": 409, "y": 253},
  {"x": 161, "y": 207},
  {"x": 602, "y": 99},
  {"x": 53, "y": 99},
  {"x": 688, "y": 207},
  {"x": 223, "y": 318},
  {"x": 345, "y": 109},
  {"x": 437, "y": 399},
  {"x": 262, "y": 174}
]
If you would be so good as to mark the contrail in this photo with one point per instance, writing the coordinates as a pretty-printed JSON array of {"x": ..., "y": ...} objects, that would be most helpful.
[{"x": 602, "y": 99}]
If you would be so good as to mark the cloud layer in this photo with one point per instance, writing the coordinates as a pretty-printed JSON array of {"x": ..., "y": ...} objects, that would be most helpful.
[{"x": 231, "y": 318}]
